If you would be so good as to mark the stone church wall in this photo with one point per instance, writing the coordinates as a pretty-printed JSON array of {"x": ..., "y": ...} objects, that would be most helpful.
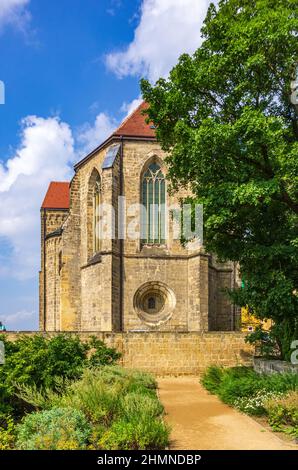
[
  {"x": 83, "y": 291},
  {"x": 51, "y": 221},
  {"x": 71, "y": 263}
]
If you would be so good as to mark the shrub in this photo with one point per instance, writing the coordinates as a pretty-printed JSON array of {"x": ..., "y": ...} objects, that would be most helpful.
[
  {"x": 145, "y": 433},
  {"x": 55, "y": 429},
  {"x": 102, "y": 394},
  {"x": 255, "y": 405},
  {"x": 98, "y": 400},
  {"x": 283, "y": 413},
  {"x": 101, "y": 355},
  {"x": 143, "y": 379},
  {"x": 129, "y": 378},
  {"x": 7, "y": 433},
  {"x": 134, "y": 406},
  {"x": 39, "y": 360},
  {"x": 47, "y": 363},
  {"x": 239, "y": 382},
  {"x": 121, "y": 406},
  {"x": 265, "y": 344},
  {"x": 42, "y": 399}
]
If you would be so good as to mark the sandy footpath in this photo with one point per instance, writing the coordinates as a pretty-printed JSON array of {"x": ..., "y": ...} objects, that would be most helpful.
[{"x": 200, "y": 421}]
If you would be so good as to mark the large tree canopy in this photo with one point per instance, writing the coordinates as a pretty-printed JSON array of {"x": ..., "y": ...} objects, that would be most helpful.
[{"x": 226, "y": 118}]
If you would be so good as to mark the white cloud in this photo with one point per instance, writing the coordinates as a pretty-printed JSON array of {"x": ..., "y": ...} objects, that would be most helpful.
[
  {"x": 91, "y": 136},
  {"x": 167, "y": 28},
  {"x": 14, "y": 12},
  {"x": 44, "y": 154},
  {"x": 128, "y": 108},
  {"x": 13, "y": 319}
]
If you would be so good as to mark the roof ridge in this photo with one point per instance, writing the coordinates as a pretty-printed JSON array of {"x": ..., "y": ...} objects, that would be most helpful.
[
  {"x": 59, "y": 182},
  {"x": 129, "y": 116},
  {"x": 57, "y": 195}
]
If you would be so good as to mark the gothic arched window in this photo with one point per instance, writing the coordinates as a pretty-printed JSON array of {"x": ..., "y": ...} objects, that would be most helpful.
[
  {"x": 153, "y": 202},
  {"x": 96, "y": 214}
]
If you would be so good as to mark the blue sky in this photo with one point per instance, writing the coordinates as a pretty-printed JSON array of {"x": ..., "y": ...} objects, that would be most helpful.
[{"x": 71, "y": 72}]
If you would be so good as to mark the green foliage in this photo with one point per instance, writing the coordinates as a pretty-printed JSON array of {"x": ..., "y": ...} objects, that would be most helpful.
[
  {"x": 98, "y": 400},
  {"x": 276, "y": 342},
  {"x": 46, "y": 365},
  {"x": 121, "y": 406},
  {"x": 264, "y": 342},
  {"x": 244, "y": 388},
  {"x": 255, "y": 405},
  {"x": 81, "y": 399},
  {"x": 283, "y": 413},
  {"x": 105, "y": 394},
  {"x": 42, "y": 399},
  {"x": 145, "y": 433},
  {"x": 226, "y": 120},
  {"x": 7, "y": 433},
  {"x": 101, "y": 354},
  {"x": 212, "y": 379},
  {"x": 55, "y": 429},
  {"x": 135, "y": 406}
]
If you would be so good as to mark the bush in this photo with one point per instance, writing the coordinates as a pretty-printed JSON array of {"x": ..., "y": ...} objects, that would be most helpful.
[
  {"x": 42, "y": 399},
  {"x": 56, "y": 429},
  {"x": 98, "y": 400},
  {"x": 255, "y": 405},
  {"x": 134, "y": 406},
  {"x": 121, "y": 406},
  {"x": 47, "y": 363},
  {"x": 129, "y": 378},
  {"x": 7, "y": 433},
  {"x": 105, "y": 393},
  {"x": 234, "y": 383},
  {"x": 145, "y": 433},
  {"x": 101, "y": 355},
  {"x": 283, "y": 413}
]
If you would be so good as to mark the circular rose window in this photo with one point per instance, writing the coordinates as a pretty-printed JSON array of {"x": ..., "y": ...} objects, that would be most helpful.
[{"x": 154, "y": 303}]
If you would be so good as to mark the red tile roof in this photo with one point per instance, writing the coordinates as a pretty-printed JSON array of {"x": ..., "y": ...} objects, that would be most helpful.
[
  {"x": 57, "y": 196},
  {"x": 135, "y": 126}
]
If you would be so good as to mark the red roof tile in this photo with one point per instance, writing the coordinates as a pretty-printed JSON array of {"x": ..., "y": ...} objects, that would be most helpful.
[
  {"x": 57, "y": 196},
  {"x": 135, "y": 126}
]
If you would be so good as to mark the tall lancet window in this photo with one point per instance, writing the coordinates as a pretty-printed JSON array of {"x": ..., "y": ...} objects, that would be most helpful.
[
  {"x": 96, "y": 214},
  {"x": 153, "y": 225}
]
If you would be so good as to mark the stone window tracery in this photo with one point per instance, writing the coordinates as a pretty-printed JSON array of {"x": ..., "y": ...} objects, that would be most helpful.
[{"x": 153, "y": 202}]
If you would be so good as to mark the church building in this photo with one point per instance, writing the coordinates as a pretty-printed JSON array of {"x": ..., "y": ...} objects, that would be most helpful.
[{"x": 105, "y": 271}]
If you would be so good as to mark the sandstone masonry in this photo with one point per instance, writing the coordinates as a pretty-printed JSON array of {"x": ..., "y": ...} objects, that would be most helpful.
[{"x": 104, "y": 290}]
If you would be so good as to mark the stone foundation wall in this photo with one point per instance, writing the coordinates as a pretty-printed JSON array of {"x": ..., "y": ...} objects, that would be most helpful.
[
  {"x": 168, "y": 353},
  {"x": 274, "y": 366}
]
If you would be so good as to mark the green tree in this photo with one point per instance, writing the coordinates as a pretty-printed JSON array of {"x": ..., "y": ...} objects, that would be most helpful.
[{"x": 226, "y": 119}]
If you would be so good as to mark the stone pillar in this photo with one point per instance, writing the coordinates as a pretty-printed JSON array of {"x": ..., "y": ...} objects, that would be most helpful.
[{"x": 198, "y": 293}]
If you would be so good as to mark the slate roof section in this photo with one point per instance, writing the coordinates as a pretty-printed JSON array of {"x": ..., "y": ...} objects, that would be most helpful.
[
  {"x": 110, "y": 156},
  {"x": 57, "y": 196}
]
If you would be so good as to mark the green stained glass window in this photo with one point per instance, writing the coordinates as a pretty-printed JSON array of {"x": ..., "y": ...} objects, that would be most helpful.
[{"x": 153, "y": 202}]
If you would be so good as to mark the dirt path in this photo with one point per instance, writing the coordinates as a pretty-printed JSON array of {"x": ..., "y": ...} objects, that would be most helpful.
[{"x": 200, "y": 421}]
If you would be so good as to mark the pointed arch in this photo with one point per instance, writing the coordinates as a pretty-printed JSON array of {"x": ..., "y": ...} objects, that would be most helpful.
[
  {"x": 153, "y": 201},
  {"x": 94, "y": 201}
]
